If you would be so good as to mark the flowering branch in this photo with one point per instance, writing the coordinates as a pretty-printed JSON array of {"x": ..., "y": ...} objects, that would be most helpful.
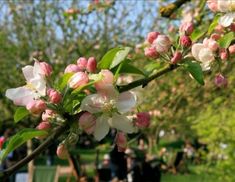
[
  {"x": 61, "y": 129},
  {"x": 166, "y": 11}
]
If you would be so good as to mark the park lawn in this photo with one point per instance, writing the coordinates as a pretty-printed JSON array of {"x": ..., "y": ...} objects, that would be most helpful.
[{"x": 88, "y": 157}]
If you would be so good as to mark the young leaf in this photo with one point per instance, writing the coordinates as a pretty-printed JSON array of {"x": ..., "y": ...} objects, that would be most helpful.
[
  {"x": 195, "y": 70},
  {"x": 19, "y": 139},
  {"x": 214, "y": 23},
  {"x": 152, "y": 66},
  {"x": 226, "y": 40},
  {"x": 197, "y": 34},
  {"x": 20, "y": 113},
  {"x": 120, "y": 56},
  {"x": 128, "y": 68},
  {"x": 63, "y": 80},
  {"x": 113, "y": 57}
]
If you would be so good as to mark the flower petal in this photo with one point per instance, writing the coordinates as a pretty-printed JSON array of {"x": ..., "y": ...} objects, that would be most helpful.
[
  {"x": 206, "y": 55},
  {"x": 109, "y": 91},
  {"x": 196, "y": 49},
  {"x": 227, "y": 19},
  {"x": 126, "y": 101},
  {"x": 205, "y": 66},
  {"x": 39, "y": 84},
  {"x": 37, "y": 69},
  {"x": 93, "y": 103},
  {"x": 21, "y": 95},
  {"x": 122, "y": 123},
  {"x": 101, "y": 127},
  {"x": 28, "y": 72}
]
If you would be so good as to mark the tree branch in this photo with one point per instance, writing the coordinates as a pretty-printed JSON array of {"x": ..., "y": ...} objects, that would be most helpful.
[
  {"x": 145, "y": 81},
  {"x": 61, "y": 129},
  {"x": 166, "y": 11}
]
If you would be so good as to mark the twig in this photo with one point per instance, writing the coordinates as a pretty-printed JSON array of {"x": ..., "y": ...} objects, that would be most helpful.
[
  {"x": 57, "y": 132},
  {"x": 166, "y": 11},
  {"x": 145, "y": 81}
]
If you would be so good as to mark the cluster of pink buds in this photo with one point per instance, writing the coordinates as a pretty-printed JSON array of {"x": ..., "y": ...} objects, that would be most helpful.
[
  {"x": 159, "y": 44},
  {"x": 81, "y": 70},
  {"x": 186, "y": 29},
  {"x": 82, "y": 65}
]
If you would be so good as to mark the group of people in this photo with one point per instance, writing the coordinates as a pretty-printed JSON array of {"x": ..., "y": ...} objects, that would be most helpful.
[{"x": 130, "y": 166}]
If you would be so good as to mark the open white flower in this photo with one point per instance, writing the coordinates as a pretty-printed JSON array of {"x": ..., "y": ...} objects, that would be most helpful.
[
  {"x": 227, "y": 6},
  {"x": 35, "y": 87},
  {"x": 110, "y": 107},
  {"x": 203, "y": 54},
  {"x": 227, "y": 19}
]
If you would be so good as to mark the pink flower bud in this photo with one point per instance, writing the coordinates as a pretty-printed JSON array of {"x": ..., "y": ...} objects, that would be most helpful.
[
  {"x": 152, "y": 36},
  {"x": 215, "y": 36},
  {"x": 185, "y": 41},
  {"x": 176, "y": 58},
  {"x": 121, "y": 141},
  {"x": 54, "y": 96},
  {"x": 62, "y": 152},
  {"x": 205, "y": 42},
  {"x": 72, "y": 68},
  {"x": 142, "y": 120},
  {"x": 151, "y": 52},
  {"x": 186, "y": 28},
  {"x": 71, "y": 11},
  {"x": 232, "y": 27},
  {"x": 91, "y": 65},
  {"x": 162, "y": 43},
  {"x": 82, "y": 63},
  {"x": 232, "y": 49},
  {"x": 36, "y": 106},
  {"x": 213, "y": 45},
  {"x": 213, "y": 5},
  {"x": 223, "y": 54},
  {"x": 107, "y": 79},
  {"x": 87, "y": 122},
  {"x": 220, "y": 81},
  {"x": 2, "y": 140},
  {"x": 46, "y": 69},
  {"x": 44, "y": 125},
  {"x": 48, "y": 114},
  {"x": 78, "y": 79},
  {"x": 171, "y": 29},
  {"x": 219, "y": 28}
]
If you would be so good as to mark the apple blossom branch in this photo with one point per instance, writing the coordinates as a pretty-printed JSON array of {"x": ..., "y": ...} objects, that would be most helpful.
[
  {"x": 167, "y": 11},
  {"x": 61, "y": 129}
]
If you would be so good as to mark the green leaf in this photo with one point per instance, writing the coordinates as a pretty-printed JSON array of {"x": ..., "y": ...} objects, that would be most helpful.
[
  {"x": 113, "y": 57},
  {"x": 19, "y": 139},
  {"x": 214, "y": 23},
  {"x": 195, "y": 70},
  {"x": 197, "y": 34},
  {"x": 128, "y": 68},
  {"x": 64, "y": 80},
  {"x": 226, "y": 40},
  {"x": 152, "y": 66},
  {"x": 20, "y": 113}
]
